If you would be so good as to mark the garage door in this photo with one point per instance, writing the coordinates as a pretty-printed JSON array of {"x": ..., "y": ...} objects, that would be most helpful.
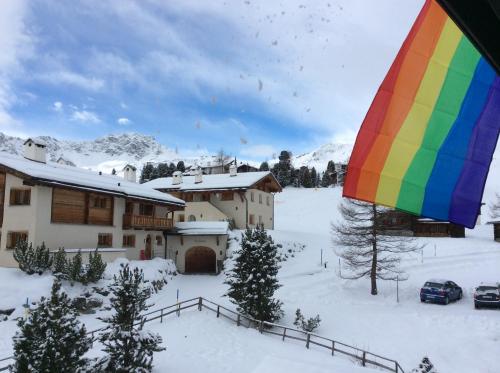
[{"x": 200, "y": 260}]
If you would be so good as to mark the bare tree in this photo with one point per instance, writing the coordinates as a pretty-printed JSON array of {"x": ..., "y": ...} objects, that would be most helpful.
[
  {"x": 367, "y": 248},
  {"x": 495, "y": 207}
]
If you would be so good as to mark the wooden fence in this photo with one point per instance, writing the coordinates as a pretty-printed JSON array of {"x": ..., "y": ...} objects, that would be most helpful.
[{"x": 365, "y": 358}]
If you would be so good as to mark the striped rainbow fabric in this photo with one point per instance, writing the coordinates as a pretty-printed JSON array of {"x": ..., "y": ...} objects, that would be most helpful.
[{"x": 427, "y": 141}]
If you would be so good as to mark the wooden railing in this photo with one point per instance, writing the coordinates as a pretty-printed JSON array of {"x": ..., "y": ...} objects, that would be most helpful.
[
  {"x": 366, "y": 358},
  {"x": 146, "y": 222}
]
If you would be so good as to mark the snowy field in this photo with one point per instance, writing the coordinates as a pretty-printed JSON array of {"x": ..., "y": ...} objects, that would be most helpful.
[{"x": 457, "y": 338}]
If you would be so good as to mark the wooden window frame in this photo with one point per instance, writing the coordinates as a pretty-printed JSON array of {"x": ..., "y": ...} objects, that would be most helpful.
[
  {"x": 159, "y": 240},
  {"x": 11, "y": 245},
  {"x": 108, "y": 241},
  {"x": 251, "y": 219},
  {"x": 268, "y": 200},
  {"x": 20, "y": 196},
  {"x": 182, "y": 218},
  {"x": 128, "y": 240},
  {"x": 142, "y": 207},
  {"x": 227, "y": 196},
  {"x": 252, "y": 197}
]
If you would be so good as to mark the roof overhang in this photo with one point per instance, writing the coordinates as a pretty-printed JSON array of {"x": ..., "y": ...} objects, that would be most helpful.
[{"x": 480, "y": 21}]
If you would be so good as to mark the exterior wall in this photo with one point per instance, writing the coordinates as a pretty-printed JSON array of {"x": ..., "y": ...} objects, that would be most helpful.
[
  {"x": 177, "y": 251},
  {"x": 36, "y": 220},
  {"x": 235, "y": 210}
]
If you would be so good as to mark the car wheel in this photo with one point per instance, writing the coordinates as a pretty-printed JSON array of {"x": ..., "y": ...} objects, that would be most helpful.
[
  {"x": 446, "y": 300},
  {"x": 476, "y": 306},
  {"x": 422, "y": 300},
  {"x": 460, "y": 295}
]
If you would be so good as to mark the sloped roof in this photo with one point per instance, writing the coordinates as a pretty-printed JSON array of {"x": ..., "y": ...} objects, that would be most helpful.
[
  {"x": 56, "y": 174},
  {"x": 211, "y": 182},
  {"x": 200, "y": 228}
]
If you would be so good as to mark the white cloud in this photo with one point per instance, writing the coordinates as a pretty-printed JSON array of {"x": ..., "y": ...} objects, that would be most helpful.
[
  {"x": 57, "y": 106},
  {"x": 124, "y": 121},
  {"x": 85, "y": 117},
  {"x": 261, "y": 151},
  {"x": 72, "y": 78}
]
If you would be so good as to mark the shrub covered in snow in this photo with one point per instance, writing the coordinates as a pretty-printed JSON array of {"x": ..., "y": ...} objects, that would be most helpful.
[
  {"x": 32, "y": 260},
  {"x": 252, "y": 282},
  {"x": 425, "y": 367},
  {"x": 308, "y": 325},
  {"x": 129, "y": 347},
  {"x": 51, "y": 339}
]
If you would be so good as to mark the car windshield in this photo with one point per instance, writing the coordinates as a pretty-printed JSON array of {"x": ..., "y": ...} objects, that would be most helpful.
[
  {"x": 488, "y": 288},
  {"x": 433, "y": 285}
]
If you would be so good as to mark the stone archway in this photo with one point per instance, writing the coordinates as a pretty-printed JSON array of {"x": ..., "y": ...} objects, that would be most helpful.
[{"x": 200, "y": 259}]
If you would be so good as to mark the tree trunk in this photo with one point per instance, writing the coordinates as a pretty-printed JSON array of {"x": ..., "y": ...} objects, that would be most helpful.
[{"x": 373, "y": 272}]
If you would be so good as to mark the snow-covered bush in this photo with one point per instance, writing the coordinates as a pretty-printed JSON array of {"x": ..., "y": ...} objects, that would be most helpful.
[
  {"x": 74, "y": 270},
  {"x": 129, "y": 347},
  {"x": 252, "y": 282},
  {"x": 51, "y": 339},
  {"x": 32, "y": 260},
  {"x": 425, "y": 367},
  {"x": 96, "y": 268},
  {"x": 308, "y": 325}
]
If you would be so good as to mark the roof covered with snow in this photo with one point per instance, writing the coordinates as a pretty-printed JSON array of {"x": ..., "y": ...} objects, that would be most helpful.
[
  {"x": 56, "y": 174},
  {"x": 200, "y": 228},
  {"x": 242, "y": 180}
]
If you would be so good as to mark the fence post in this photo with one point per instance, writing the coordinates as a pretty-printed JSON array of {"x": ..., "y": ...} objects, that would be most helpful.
[
  {"x": 397, "y": 367},
  {"x": 218, "y": 311},
  {"x": 284, "y": 333},
  {"x": 363, "y": 362},
  {"x": 238, "y": 320},
  {"x": 333, "y": 347},
  {"x": 161, "y": 316},
  {"x": 261, "y": 326},
  {"x": 200, "y": 303},
  {"x": 308, "y": 340}
]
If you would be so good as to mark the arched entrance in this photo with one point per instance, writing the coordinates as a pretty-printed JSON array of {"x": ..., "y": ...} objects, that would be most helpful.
[
  {"x": 200, "y": 259},
  {"x": 148, "y": 252}
]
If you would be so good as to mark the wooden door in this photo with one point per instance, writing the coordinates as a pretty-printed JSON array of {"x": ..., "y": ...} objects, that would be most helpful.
[
  {"x": 147, "y": 251},
  {"x": 200, "y": 259}
]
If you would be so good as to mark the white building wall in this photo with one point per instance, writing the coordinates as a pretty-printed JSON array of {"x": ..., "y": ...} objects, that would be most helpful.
[{"x": 259, "y": 208}]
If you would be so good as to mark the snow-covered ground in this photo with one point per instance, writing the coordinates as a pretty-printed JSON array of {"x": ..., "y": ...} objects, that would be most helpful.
[{"x": 457, "y": 338}]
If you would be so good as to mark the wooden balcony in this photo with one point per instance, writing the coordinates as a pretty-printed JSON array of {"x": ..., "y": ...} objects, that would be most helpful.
[{"x": 146, "y": 222}]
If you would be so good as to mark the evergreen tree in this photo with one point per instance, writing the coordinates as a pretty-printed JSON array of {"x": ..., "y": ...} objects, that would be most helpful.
[
  {"x": 314, "y": 178},
  {"x": 305, "y": 176},
  {"x": 60, "y": 265},
  {"x": 171, "y": 169},
  {"x": 154, "y": 173},
  {"x": 42, "y": 260},
  {"x": 365, "y": 247},
  {"x": 425, "y": 367},
  {"x": 264, "y": 166},
  {"x": 180, "y": 166},
  {"x": 326, "y": 181},
  {"x": 129, "y": 347},
  {"x": 75, "y": 269},
  {"x": 24, "y": 255},
  {"x": 283, "y": 170},
  {"x": 308, "y": 325},
  {"x": 96, "y": 267},
  {"x": 113, "y": 172},
  {"x": 163, "y": 170},
  {"x": 146, "y": 172},
  {"x": 252, "y": 282},
  {"x": 51, "y": 338}
]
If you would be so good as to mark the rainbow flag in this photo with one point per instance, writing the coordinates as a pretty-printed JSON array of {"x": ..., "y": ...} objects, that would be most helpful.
[{"x": 427, "y": 141}]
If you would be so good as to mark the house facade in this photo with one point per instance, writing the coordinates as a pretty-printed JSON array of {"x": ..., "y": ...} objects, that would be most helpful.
[
  {"x": 64, "y": 206},
  {"x": 245, "y": 200}
]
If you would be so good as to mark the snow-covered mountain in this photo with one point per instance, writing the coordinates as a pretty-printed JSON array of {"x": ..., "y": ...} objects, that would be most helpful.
[{"x": 338, "y": 153}]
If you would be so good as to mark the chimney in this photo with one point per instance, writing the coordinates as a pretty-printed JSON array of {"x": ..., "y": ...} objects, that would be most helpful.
[
  {"x": 198, "y": 176},
  {"x": 130, "y": 173},
  {"x": 233, "y": 170},
  {"x": 177, "y": 178},
  {"x": 35, "y": 150}
]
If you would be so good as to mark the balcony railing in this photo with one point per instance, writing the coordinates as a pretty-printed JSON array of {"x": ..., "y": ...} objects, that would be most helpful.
[{"x": 146, "y": 222}]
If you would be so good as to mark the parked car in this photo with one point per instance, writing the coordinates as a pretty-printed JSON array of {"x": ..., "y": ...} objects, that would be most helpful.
[
  {"x": 487, "y": 296},
  {"x": 440, "y": 291}
]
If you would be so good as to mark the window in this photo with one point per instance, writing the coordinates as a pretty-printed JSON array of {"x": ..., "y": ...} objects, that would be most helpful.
[
  {"x": 129, "y": 240},
  {"x": 260, "y": 219},
  {"x": 159, "y": 240},
  {"x": 251, "y": 219},
  {"x": 181, "y": 218},
  {"x": 268, "y": 201},
  {"x": 260, "y": 199},
  {"x": 99, "y": 202},
  {"x": 14, "y": 237},
  {"x": 192, "y": 218},
  {"x": 104, "y": 240},
  {"x": 20, "y": 196},
  {"x": 252, "y": 197},
  {"x": 129, "y": 207},
  {"x": 227, "y": 196},
  {"x": 146, "y": 209}
]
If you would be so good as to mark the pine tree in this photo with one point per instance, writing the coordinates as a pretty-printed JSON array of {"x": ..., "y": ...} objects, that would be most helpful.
[
  {"x": 60, "y": 265},
  {"x": 264, "y": 166},
  {"x": 180, "y": 166},
  {"x": 163, "y": 170},
  {"x": 129, "y": 347},
  {"x": 306, "y": 180},
  {"x": 314, "y": 178},
  {"x": 75, "y": 269},
  {"x": 96, "y": 267},
  {"x": 171, "y": 169},
  {"x": 425, "y": 367},
  {"x": 252, "y": 282},
  {"x": 146, "y": 172},
  {"x": 24, "y": 255},
  {"x": 283, "y": 170},
  {"x": 42, "y": 260},
  {"x": 366, "y": 249},
  {"x": 308, "y": 325},
  {"x": 113, "y": 172},
  {"x": 51, "y": 338}
]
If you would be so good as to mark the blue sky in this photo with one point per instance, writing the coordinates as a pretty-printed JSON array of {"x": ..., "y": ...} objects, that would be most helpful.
[{"x": 252, "y": 77}]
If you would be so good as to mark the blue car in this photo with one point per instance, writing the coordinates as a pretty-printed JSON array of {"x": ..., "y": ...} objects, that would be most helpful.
[{"x": 440, "y": 291}]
